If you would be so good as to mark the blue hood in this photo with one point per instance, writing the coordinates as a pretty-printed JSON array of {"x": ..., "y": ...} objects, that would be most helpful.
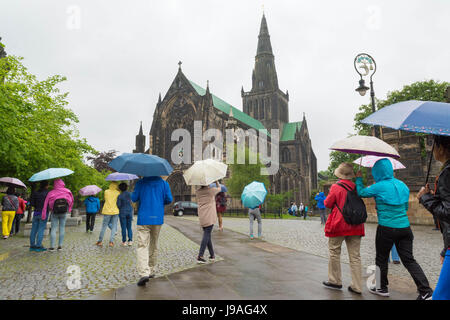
[{"x": 390, "y": 190}]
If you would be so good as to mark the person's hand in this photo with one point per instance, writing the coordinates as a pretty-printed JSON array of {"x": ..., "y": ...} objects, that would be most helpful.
[
  {"x": 442, "y": 259},
  {"x": 423, "y": 190},
  {"x": 359, "y": 174}
]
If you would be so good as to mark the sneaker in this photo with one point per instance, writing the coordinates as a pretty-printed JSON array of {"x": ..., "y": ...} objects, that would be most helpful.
[
  {"x": 51, "y": 249},
  {"x": 353, "y": 290},
  {"x": 33, "y": 249},
  {"x": 427, "y": 296},
  {"x": 380, "y": 292},
  {"x": 142, "y": 281},
  {"x": 212, "y": 259},
  {"x": 130, "y": 243},
  {"x": 99, "y": 243},
  {"x": 41, "y": 249},
  {"x": 111, "y": 244},
  {"x": 5, "y": 237},
  {"x": 201, "y": 260},
  {"x": 124, "y": 244},
  {"x": 332, "y": 285},
  {"x": 59, "y": 248}
]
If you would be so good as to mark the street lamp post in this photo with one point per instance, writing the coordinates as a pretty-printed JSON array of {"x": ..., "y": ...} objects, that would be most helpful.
[{"x": 368, "y": 66}]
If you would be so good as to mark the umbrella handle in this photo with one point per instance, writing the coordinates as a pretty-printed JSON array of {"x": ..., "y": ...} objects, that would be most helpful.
[{"x": 429, "y": 163}]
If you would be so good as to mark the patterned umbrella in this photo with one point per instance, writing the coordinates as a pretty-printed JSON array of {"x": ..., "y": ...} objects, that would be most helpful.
[
  {"x": 90, "y": 190},
  {"x": 253, "y": 194},
  {"x": 366, "y": 145},
  {"x": 12, "y": 182},
  {"x": 50, "y": 173},
  {"x": 369, "y": 162},
  {"x": 205, "y": 172}
]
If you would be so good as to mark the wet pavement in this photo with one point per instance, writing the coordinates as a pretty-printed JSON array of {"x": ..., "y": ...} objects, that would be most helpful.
[{"x": 250, "y": 269}]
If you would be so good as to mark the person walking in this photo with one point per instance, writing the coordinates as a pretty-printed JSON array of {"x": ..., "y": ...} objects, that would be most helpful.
[
  {"x": 305, "y": 212},
  {"x": 207, "y": 217},
  {"x": 294, "y": 209},
  {"x": 125, "y": 214},
  {"x": 153, "y": 193},
  {"x": 92, "y": 204},
  {"x": 10, "y": 204},
  {"x": 391, "y": 197},
  {"x": 59, "y": 201},
  {"x": 437, "y": 202},
  {"x": 38, "y": 225},
  {"x": 338, "y": 230},
  {"x": 301, "y": 209},
  {"x": 221, "y": 207},
  {"x": 320, "y": 198},
  {"x": 19, "y": 215},
  {"x": 255, "y": 214},
  {"x": 110, "y": 214}
]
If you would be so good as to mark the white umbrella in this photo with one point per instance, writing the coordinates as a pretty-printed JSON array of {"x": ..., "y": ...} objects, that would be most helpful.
[
  {"x": 205, "y": 172},
  {"x": 369, "y": 162},
  {"x": 366, "y": 145}
]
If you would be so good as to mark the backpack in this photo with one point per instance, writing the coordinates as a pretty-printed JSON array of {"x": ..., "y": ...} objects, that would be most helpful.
[
  {"x": 60, "y": 206},
  {"x": 354, "y": 210}
]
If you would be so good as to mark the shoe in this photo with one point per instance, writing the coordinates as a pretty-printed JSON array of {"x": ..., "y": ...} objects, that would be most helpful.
[
  {"x": 201, "y": 260},
  {"x": 427, "y": 296},
  {"x": 212, "y": 259},
  {"x": 99, "y": 243},
  {"x": 59, "y": 248},
  {"x": 142, "y": 281},
  {"x": 332, "y": 286},
  {"x": 352, "y": 290},
  {"x": 51, "y": 249},
  {"x": 41, "y": 249},
  {"x": 221, "y": 229},
  {"x": 5, "y": 237},
  {"x": 396, "y": 262},
  {"x": 33, "y": 249},
  {"x": 435, "y": 229},
  {"x": 124, "y": 244},
  {"x": 130, "y": 243},
  {"x": 111, "y": 244},
  {"x": 380, "y": 292}
]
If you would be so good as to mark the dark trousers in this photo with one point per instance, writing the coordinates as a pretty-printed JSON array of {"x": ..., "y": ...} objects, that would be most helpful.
[
  {"x": 16, "y": 223},
  {"x": 90, "y": 221},
  {"x": 206, "y": 242},
  {"x": 403, "y": 240}
]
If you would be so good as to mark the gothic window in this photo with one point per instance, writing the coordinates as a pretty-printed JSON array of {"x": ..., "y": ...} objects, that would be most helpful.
[
  {"x": 261, "y": 84},
  {"x": 262, "y": 110},
  {"x": 286, "y": 184},
  {"x": 256, "y": 109},
  {"x": 250, "y": 107},
  {"x": 285, "y": 155}
]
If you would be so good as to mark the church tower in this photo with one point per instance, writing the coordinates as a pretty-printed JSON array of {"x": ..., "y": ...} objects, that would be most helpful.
[
  {"x": 265, "y": 101},
  {"x": 140, "y": 142}
]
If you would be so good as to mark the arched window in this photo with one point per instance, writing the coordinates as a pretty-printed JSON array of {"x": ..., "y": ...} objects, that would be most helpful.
[
  {"x": 262, "y": 110},
  {"x": 250, "y": 107},
  {"x": 285, "y": 155},
  {"x": 256, "y": 109}
]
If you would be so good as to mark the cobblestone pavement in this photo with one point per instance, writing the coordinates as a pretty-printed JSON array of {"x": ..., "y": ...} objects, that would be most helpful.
[
  {"x": 308, "y": 236},
  {"x": 34, "y": 275}
]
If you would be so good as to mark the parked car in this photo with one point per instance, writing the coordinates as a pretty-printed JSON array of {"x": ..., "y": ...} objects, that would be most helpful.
[{"x": 185, "y": 207}]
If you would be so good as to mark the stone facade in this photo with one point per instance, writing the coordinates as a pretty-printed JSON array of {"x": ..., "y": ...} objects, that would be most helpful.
[{"x": 265, "y": 107}]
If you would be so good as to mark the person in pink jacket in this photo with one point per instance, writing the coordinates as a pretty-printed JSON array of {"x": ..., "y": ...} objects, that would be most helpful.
[{"x": 59, "y": 201}]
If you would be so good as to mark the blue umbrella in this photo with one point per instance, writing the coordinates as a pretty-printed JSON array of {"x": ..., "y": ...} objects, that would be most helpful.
[
  {"x": 223, "y": 188},
  {"x": 254, "y": 194},
  {"x": 141, "y": 164},
  {"x": 119, "y": 176},
  {"x": 50, "y": 173},
  {"x": 413, "y": 115}
]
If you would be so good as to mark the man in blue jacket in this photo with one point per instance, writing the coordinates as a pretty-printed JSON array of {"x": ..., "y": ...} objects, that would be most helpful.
[
  {"x": 153, "y": 193},
  {"x": 92, "y": 208}
]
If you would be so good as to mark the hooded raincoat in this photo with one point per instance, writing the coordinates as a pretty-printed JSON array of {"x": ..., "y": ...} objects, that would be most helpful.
[
  {"x": 110, "y": 206},
  {"x": 59, "y": 192},
  {"x": 320, "y": 198},
  {"x": 391, "y": 195},
  {"x": 92, "y": 204}
]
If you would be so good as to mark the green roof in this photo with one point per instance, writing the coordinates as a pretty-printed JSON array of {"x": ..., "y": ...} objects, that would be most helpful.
[
  {"x": 289, "y": 130},
  {"x": 225, "y": 107}
]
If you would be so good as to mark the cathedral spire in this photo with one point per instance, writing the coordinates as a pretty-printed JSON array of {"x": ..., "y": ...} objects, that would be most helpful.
[
  {"x": 264, "y": 45},
  {"x": 159, "y": 98},
  {"x": 140, "y": 130}
]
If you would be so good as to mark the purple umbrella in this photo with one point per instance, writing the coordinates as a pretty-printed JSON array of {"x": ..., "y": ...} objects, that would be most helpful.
[
  {"x": 118, "y": 176},
  {"x": 90, "y": 190},
  {"x": 13, "y": 181}
]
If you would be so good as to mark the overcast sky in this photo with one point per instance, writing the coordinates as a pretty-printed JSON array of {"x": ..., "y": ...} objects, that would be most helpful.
[{"x": 119, "y": 55}]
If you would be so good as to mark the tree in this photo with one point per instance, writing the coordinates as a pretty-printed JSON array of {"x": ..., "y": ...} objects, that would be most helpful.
[
  {"x": 275, "y": 202},
  {"x": 38, "y": 129},
  {"x": 100, "y": 160}
]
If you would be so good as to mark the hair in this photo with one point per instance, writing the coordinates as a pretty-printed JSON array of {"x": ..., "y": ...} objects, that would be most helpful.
[
  {"x": 123, "y": 186},
  {"x": 11, "y": 191},
  {"x": 43, "y": 184},
  {"x": 442, "y": 141}
]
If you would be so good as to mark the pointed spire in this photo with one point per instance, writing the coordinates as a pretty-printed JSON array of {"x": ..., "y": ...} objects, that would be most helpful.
[
  {"x": 264, "y": 45},
  {"x": 159, "y": 98},
  {"x": 207, "y": 87},
  {"x": 231, "y": 113},
  {"x": 179, "y": 65},
  {"x": 140, "y": 130}
]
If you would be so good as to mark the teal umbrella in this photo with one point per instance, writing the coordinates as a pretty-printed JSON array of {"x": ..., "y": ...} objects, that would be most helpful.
[
  {"x": 50, "y": 173},
  {"x": 254, "y": 194}
]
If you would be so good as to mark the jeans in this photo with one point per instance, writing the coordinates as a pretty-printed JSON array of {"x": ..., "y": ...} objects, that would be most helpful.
[
  {"x": 58, "y": 220},
  {"x": 403, "y": 239},
  {"x": 206, "y": 241},
  {"x": 252, "y": 217},
  {"x": 37, "y": 231},
  {"x": 109, "y": 221},
  {"x": 442, "y": 290},
  {"x": 323, "y": 216},
  {"x": 394, "y": 254},
  {"x": 125, "y": 224},
  {"x": 16, "y": 223},
  {"x": 90, "y": 221}
]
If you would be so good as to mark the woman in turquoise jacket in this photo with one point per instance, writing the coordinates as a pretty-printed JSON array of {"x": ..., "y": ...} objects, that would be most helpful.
[{"x": 391, "y": 198}]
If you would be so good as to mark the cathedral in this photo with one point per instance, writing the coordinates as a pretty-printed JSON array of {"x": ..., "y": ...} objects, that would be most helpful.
[{"x": 264, "y": 107}]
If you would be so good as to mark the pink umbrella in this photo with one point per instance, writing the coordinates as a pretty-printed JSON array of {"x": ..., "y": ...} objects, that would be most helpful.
[
  {"x": 90, "y": 190},
  {"x": 13, "y": 181},
  {"x": 369, "y": 162}
]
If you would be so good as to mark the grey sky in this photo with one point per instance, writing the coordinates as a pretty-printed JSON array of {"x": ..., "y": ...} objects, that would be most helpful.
[{"x": 125, "y": 52}]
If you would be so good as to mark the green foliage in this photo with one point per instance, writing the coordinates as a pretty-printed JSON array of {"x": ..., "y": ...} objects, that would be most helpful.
[
  {"x": 274, "y": 202},
  {"x": 243, "y": 174},
  {"x": 312, "y": 201},
  {"x": 38, "y": 129}
]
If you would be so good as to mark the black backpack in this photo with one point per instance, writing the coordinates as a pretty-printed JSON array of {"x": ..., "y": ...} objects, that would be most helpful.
[
  {"x": 60, "y": 206},
  {"x": 354, "y": 210}
]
